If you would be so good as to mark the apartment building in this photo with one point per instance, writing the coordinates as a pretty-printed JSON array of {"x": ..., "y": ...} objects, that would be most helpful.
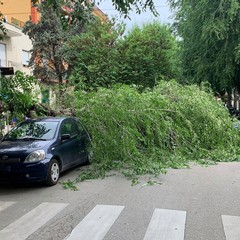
[
  {"x": 15, "y": 46},
  {"x": 15, "y": 49},
  {"x": 18, "y": 12}
]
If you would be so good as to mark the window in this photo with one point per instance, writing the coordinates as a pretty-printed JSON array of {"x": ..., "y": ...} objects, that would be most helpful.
[
  {"x": 25, "y": 58},
  {"x": 3, "y": 56},
  {"x": 42, "y": 130},
  {"x": 45, "y": 96},
  {"x": 79, "y": 126},
  {"x": 69, "y": 127}
]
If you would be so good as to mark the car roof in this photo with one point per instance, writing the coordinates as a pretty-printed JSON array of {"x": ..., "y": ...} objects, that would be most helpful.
[{"x": 48, "y": 119}]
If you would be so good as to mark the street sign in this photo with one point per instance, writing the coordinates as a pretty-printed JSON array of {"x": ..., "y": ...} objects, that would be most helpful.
[{"x": 6, "y": 71}]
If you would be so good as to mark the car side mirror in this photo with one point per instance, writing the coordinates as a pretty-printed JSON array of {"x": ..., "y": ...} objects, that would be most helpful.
[{"x": 65, "y": 137}]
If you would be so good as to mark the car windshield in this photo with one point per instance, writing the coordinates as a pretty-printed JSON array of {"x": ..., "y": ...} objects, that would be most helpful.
[{"x": 33, "y": 131}]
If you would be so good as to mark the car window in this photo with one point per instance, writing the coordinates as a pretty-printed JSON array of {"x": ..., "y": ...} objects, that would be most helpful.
[
  {"x": 38, "y": 130},
  {"x": 69, "y": 127},
  {"x": 75, "y": 129},
  {"x": 79, "y": 126}
]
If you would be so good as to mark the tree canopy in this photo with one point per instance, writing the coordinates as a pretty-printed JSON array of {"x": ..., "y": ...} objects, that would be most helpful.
[
  {"x": 123, "y": 6},
  {"x": 93, "y": 55},
  {"x": 101, "y": 56},
  {"x": 48, "y": 37},
  {"x": 15, "y": 93},
  {"x": 147, "y": 54},
  {"x": 210, "y": 41}
]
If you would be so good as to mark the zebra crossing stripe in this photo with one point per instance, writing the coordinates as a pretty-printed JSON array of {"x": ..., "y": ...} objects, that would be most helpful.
[
  {"x": 97, "y": 223},
  {"x": 166, "y": 225},
  {"x": 4, "y": 205},
  {"x": 231, "y": 225},
  {"x": 30, "y": 222}
]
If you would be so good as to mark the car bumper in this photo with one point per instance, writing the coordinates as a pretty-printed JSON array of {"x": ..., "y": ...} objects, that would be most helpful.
[{"x": 24, "y": 172}]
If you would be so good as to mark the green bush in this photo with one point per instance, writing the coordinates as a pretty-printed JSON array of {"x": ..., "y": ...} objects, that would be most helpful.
[
  {"x": 15, "y": 93},
  {"x": 147, "y": 132}
]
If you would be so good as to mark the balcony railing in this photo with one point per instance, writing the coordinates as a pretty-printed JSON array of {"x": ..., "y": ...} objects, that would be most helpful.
[
  {"x": 15, "y": 65},
  {"x": 17, "y": 22}
]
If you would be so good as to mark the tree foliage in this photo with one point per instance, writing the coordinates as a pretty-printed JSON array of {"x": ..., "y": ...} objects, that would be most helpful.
[
  {"x": 15, "y": 93},
  {"x": 2, "y": 28},
  {"x": 101, "y": 56},
  {"x": 48, "y": 36},
  {"x": 147, "y": 53},
  {"x": 146, "y": 132},
  {"x": 123, "y": 6},
  {"x": 93, "y": 56},
  {"x": 83, "y": 6},
  {"x": 210, "y": 41}
]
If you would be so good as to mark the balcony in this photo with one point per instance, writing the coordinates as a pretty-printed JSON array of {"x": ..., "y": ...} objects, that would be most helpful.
[{"x": 12, "y": 31}]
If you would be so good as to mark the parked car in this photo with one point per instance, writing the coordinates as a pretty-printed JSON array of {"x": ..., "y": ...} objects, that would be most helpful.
[{"x": 38, "y": 150}]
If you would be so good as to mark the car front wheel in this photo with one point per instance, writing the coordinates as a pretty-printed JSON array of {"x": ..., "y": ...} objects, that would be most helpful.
[{"x": 53, "y": 173}]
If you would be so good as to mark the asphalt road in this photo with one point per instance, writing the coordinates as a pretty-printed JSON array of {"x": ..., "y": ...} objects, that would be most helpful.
[{"x": 200, "y": 203}]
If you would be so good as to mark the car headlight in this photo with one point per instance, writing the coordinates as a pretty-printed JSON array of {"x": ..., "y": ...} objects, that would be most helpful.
[{"x": 35, "y": 156}]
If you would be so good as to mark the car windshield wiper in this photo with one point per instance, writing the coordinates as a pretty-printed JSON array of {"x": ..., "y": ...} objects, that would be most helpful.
[
  {"x": 9, "y": 139},
  {"x": 32, "y": 138}
]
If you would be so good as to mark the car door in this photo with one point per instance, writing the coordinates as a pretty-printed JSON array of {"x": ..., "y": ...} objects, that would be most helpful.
[
  {"x": 83, "y": 141},
  {"x": 68, "y": 147}
]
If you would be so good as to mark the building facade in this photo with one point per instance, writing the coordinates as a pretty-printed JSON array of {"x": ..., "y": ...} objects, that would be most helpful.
[
  {"x": 18, "y": 12},
  {"x": 15, "y": 46},
  {"x": 15, "y": 49}
]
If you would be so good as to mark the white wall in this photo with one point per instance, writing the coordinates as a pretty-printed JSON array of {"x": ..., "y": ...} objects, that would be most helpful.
[{"x": 16, "y": 42}]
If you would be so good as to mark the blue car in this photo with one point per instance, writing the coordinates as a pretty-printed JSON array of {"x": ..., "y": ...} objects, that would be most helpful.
[{"x": 38, "y": 150}]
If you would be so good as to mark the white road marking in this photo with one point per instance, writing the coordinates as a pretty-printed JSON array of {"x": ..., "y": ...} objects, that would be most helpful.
[
  {"x": 97, "y": 223},
  {"x": 30, "y": 222},
  {"x": 231, "y": 225},
  {"x": 4, "y": 205},
  {"x": 166, "y": 225}
]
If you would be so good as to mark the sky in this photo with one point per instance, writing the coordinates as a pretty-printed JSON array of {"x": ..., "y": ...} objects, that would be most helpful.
[{"x": 162, "y": 8}]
